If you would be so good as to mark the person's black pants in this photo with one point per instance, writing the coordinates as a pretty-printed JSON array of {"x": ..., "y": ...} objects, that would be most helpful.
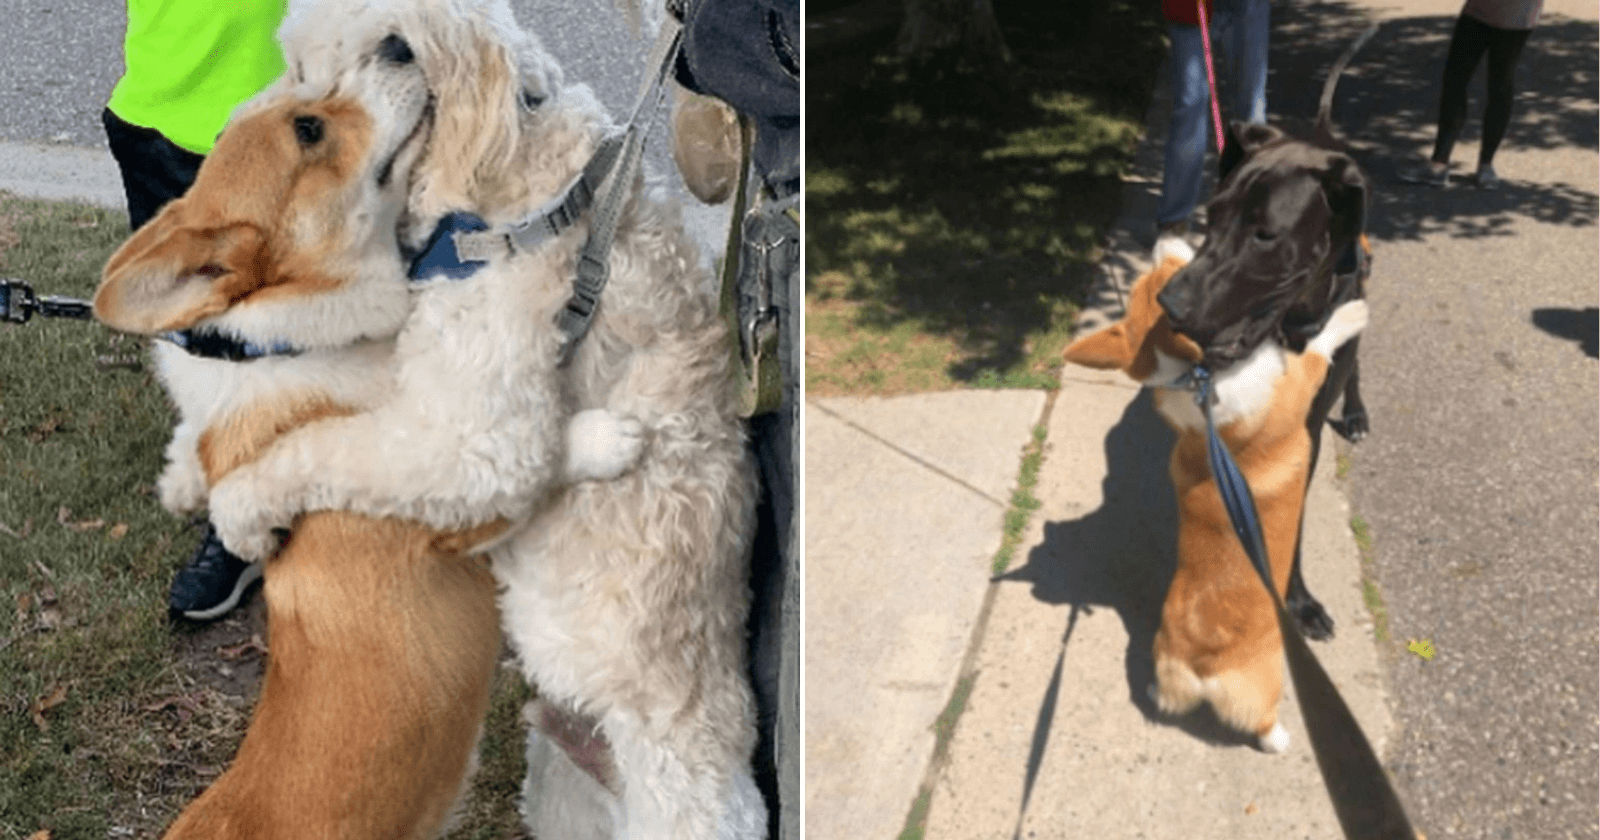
[
  {"x": 1473, "y": 38},
  {"x": 154, "y": 169}
]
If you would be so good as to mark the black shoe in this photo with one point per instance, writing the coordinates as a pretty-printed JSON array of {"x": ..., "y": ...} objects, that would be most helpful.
[{"x": 211, "y": 584}]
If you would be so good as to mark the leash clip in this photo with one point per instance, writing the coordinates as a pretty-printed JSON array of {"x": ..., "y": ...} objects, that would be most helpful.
[
  {"x": 1199, "y": 381},
  {"x": 18, "y": 303}
]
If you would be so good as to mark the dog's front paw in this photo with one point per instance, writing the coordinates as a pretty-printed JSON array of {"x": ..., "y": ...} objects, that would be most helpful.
[
  {"x": 245, "y": 528},
  {"x": 181, "y": 490},
  {"x": 602, "y": 445}
]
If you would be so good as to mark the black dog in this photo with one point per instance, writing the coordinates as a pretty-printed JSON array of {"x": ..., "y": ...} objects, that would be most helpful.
[{"x": 1283, "y": 249}]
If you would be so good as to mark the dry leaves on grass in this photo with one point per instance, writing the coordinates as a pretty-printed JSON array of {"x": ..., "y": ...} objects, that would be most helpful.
[
  {"x": 41, "y": 834},
  {"x": 49, "y": 609},
  {"x": 45, "y": 704},
  {"x": 64, "y": 516},
  {"x": 187, "y": 705},
  {"x": 250, "y": 645},
  {"x": 21, "y": 534}
]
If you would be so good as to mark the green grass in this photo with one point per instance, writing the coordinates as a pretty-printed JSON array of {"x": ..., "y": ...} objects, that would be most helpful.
[
  {"x": 147, "y": 715},
  {"x": 1023, "y": 502},
  {"x": 954, "y": 218},
  {"x": 81, "y": 608},
  {"x": 1369, "y": 585},
  {"x": 944, "y": 728}
]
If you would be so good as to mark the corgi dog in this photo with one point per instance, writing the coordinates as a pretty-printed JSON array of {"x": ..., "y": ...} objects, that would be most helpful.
[
  {"x": 1219, "y": 640},
  {"x": 384, "y": 632}
]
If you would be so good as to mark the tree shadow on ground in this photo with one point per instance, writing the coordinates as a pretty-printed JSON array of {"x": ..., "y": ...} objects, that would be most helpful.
[
  {"x": 1119, "y": 557},
  {"x": 971, "y": 203},
  {"x": 1387, "y": 108}
]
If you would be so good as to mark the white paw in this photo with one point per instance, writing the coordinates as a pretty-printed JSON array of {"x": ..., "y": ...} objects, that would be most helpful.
[
  {"x": 244, "y": 528},
  {"x": 181, "y": 490},
  {"x": 602, "y": 444},
  {"x": 1276, "y": 740}
]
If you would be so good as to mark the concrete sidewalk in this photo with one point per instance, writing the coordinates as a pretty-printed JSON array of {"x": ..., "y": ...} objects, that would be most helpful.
[{"x": 1057, "y": 738}]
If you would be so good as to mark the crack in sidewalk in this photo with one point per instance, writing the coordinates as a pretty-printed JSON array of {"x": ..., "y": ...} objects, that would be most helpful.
[{"x": 915, "y": 458}]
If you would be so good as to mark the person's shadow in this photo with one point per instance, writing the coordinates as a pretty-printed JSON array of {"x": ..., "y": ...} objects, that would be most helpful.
[{"x": 1120, "y": 557}]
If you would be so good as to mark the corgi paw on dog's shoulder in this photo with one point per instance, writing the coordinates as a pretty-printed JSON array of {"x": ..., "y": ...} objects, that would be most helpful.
[
  {"x": 1346, "y": 323},
  {"x": 602, "y": 445},
  {"x": 244, "y": 525}
]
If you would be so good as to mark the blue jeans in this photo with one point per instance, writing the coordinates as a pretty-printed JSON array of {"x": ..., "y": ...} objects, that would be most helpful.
[{"x": 1239, "y": 31}]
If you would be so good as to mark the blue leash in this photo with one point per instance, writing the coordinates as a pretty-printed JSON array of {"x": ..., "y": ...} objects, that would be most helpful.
[
  {"x": 1363, "y": 799},
  {"x": 1235, "y": 490}
]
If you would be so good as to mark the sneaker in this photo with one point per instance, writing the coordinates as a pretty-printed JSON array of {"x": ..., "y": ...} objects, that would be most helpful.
[
  {"x": 1170, "y": 234},
  {"x": 1487, "y": 180},
  {"x": 211, "y": 584},
  {"x": 1425, "y": 173}
]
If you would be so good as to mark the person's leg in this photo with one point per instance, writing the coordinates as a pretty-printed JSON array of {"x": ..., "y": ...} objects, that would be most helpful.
[
  {"x": 1505, "y": 46},
  {"x": 1186, "y": 134},
  {"x": 154, "y": 169},
  {"x": 1247, "y": 42},
  {"x": 154, "y": 172},
  {"x": 1467, "y": 46}
]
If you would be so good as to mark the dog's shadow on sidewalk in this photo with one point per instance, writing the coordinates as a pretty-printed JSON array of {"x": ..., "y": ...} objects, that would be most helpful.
[{"x": 1119, "y": 557}]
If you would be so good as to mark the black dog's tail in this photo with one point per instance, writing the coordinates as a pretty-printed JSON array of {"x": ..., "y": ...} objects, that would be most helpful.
[{"x": 1324, "y": 126}]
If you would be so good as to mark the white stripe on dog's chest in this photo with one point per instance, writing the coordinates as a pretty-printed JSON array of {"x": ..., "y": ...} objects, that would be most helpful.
[{"x": 1243, "y": 391}]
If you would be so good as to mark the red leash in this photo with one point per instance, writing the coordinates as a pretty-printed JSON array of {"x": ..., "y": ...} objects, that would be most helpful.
[{"x": 1211, "y": 73}]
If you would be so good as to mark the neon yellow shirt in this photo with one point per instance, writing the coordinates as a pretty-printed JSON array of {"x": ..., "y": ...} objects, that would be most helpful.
[{"x": 191, "y": 62}]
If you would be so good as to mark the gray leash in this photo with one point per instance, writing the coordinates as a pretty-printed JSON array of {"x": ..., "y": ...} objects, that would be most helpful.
[{"x": 607, "y": 180}]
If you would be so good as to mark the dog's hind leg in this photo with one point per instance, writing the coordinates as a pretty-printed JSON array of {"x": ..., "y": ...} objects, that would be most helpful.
[{"x": 683, "y": 778}]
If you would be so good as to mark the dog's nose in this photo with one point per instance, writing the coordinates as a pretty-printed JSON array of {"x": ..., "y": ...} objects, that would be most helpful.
[{"x": 1175, "y": 303}]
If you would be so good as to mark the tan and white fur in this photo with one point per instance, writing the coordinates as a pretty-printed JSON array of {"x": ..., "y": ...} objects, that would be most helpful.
[
  {"x": 384, "y": 633},
  {"x": 625, "y": 599},
  {"x": 1219, "y": 640}
]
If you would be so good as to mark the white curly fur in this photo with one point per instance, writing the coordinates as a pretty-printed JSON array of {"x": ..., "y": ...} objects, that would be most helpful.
[{"x": 626, "y": 599}]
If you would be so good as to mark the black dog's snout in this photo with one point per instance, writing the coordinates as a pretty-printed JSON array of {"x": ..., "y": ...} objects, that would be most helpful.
[
  {"x": 395, "y": 50},
  {"x": 1178, "y": 303}
]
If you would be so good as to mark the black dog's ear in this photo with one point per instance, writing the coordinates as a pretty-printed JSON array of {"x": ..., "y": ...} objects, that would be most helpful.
[
  {"x": 1231, "y": 154},
  {"x": 1346, "y": 187},
  {"x": 1242, "y": 138},
  {"x": 1253, "y": 136}
]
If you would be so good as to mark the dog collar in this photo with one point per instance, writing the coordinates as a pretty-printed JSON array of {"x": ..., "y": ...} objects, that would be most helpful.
[
  {"x": 215, "y": 345},
  {"x": 441, "y": 257}
]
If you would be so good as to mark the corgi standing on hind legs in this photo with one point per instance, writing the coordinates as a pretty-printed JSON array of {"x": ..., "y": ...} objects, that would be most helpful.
[{"x": 1219, "y": 640}]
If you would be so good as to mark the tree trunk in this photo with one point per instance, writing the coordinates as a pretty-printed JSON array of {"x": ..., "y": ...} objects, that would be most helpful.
[{"x": 935, "y": 29}]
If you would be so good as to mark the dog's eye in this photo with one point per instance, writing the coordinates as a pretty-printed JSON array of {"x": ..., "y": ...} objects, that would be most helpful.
[
  {"x": 308, "y": 130},
  {"x": 1264, "y": 235},
  {"x": 395, "y": 50}
]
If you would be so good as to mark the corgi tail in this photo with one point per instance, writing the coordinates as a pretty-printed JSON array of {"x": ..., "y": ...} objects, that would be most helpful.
[{"x": 1245, "y": 699}]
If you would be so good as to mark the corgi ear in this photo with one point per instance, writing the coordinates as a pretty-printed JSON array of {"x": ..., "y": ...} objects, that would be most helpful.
[
  {"x": 1106, "y": 349},
  {"x": 172, "y": 273}
]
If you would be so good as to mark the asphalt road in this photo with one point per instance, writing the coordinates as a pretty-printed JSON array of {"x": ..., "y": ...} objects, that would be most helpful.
[{"x": 1479, "y": 370}]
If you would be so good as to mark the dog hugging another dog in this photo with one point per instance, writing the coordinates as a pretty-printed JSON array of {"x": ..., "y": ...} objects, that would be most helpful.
[
  {"x": 1272, "y": 304},
  {"x": 426, "y": 444}
]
